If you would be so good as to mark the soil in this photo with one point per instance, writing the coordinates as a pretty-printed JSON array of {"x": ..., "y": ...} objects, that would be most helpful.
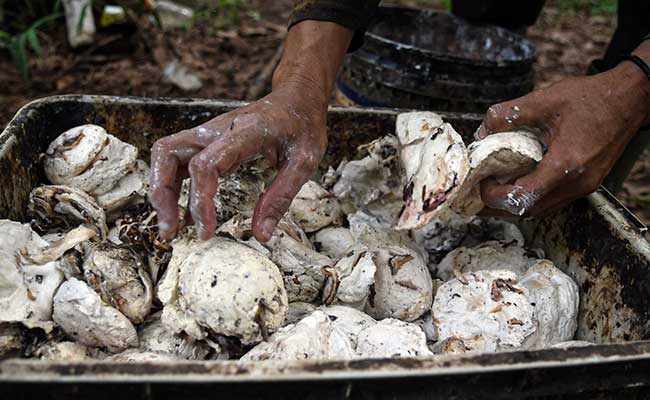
[{"x": 228, "y": 61}]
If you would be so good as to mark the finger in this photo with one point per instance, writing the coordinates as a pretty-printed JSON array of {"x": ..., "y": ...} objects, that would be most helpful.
[
  {"x": 514, "y": 199},
  {"x": 205, "y": 169},
  {"x": 164, "y": 202},
  {"x": 549, "y": 204},
  {"x": 277, "y": 199},
  {"x": 168, "y": 156},
  {"x": 520, "y": 197},
  {"x": 524, "y": 111}
]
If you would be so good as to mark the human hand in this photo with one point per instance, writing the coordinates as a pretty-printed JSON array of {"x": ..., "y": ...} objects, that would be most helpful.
[
  {"x": 287, "y": 127},
  {"x": 586, "y": 123}
]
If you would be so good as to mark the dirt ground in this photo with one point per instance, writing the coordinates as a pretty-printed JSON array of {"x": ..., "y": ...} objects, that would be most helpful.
[
  {"x": 226, "y": 61},
  {"x": 229, "y": 61}
]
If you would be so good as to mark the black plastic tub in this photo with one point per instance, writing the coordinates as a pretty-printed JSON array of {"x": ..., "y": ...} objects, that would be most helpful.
[
  {"x": 429, "y": 59},
  {"x": 591, "y": 240}
]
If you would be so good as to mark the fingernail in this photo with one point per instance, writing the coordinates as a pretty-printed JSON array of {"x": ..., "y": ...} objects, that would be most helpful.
[
  {"x": 166, "y": 235},
  {"x": 480, "y": 132},
  {"x": 164, "y": 226},
  {"x": 200, "y": 229},
  {"x": 268, "y": 226},
  {"x": 519, "y": 201}
]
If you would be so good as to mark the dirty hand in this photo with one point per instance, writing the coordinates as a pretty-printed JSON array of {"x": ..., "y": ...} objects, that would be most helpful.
[
  {"x": 586, "y": 123},
  {"x": 287, "y": 127},
  {"x": 288, "y": 131}
]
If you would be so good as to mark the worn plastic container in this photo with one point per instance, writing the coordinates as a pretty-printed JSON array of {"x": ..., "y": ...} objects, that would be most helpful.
[
  {"x": 427, "y": 59},
  {"x": 592, "y": 240}
]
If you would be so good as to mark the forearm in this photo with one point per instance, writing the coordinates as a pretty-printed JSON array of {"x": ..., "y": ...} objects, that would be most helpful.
[
  {"x": 313, "y": 53},
  {"x": 643, "y": 51},
  {"x": 355, "y": 15},
  {"x": 631, "y": 88}
]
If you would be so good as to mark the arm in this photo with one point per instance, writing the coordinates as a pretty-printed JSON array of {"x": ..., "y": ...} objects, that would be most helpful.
[
  {"x": 352, "y": 14},
  {"x": 288, "y": 127},
  {"x": 586, "y": 122}
]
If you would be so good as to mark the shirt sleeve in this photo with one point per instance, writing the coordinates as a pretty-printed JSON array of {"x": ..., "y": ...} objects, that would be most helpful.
[
  {"x": 353, "y": 14},
  {"x": 633, "y": 26}
]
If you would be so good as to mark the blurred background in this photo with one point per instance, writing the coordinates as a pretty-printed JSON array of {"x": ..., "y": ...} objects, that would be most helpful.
[{"x": 228, "y": 49}]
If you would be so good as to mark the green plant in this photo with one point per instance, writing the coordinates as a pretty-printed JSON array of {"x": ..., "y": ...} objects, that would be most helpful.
[
  {"x": 599, "y": 7},
  {"x": 18, "y": 15},
  {"x": 220, "y": 14},
  {"x": 17, "y": 44},
  {"x": 230, "y": 10}
]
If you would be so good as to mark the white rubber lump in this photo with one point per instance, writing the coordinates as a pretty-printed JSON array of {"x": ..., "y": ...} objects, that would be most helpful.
[
  {"x": 220, "y": 286},
  {"x": 392, "y": 338},
  {"x": 342, "y": 333},
  {"x": 314, "y": 208},
  {"x": 487, "y": 256},
  {"x": 436, "y": 163},
  {"x": 443, "y": 173},
  {"x": 31, "y": 271},
  {"x": 88, "y": 320},
  {"x": 119, "y": 276},
  {"x": 504, "y": 156},
  {"x": 58, "y": 208},
  {"x": 497, "y": 310},
  {"x": 372, "y": 181},
  {"x": 88, "y": 158},
  {"x": 155, "y": 337},
  {"x": 313, "y": 338}
]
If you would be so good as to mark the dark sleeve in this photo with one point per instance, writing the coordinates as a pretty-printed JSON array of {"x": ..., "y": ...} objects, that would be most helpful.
[
  {"x": 353, "y": 14},
  {"x": 633, "y": 26}
]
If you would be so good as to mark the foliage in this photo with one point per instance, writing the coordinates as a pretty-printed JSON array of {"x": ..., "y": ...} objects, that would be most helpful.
[
  {"x": 218, "y": 14},
  {"x": 19, "y": 44},
  {"x": 17, "y": 15},
  {"x": 599, "y": 7}
]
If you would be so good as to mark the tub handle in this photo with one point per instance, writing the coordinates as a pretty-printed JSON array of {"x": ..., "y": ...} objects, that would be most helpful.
[{"x": 629, "y": 215}]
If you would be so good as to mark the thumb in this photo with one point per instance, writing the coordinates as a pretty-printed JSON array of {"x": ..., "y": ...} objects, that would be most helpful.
[
  {"x": 515, "y": 199},
  {"x": 275, "y": 202},
  {"x": 521, "y": 196}
]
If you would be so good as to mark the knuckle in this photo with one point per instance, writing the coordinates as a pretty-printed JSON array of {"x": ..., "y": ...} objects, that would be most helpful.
[
  {"x": 307, "y": 161},
  {"x": 247, "y": 120},
  {"x": 168, "y": 143},
  {"x": 494, "y": 111},
  {"x": 197, "y": 165},
  {"x": 557, "y": 164},
  {"x": 162, "y": 145},
  {"x": 493, "y": 117}
]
